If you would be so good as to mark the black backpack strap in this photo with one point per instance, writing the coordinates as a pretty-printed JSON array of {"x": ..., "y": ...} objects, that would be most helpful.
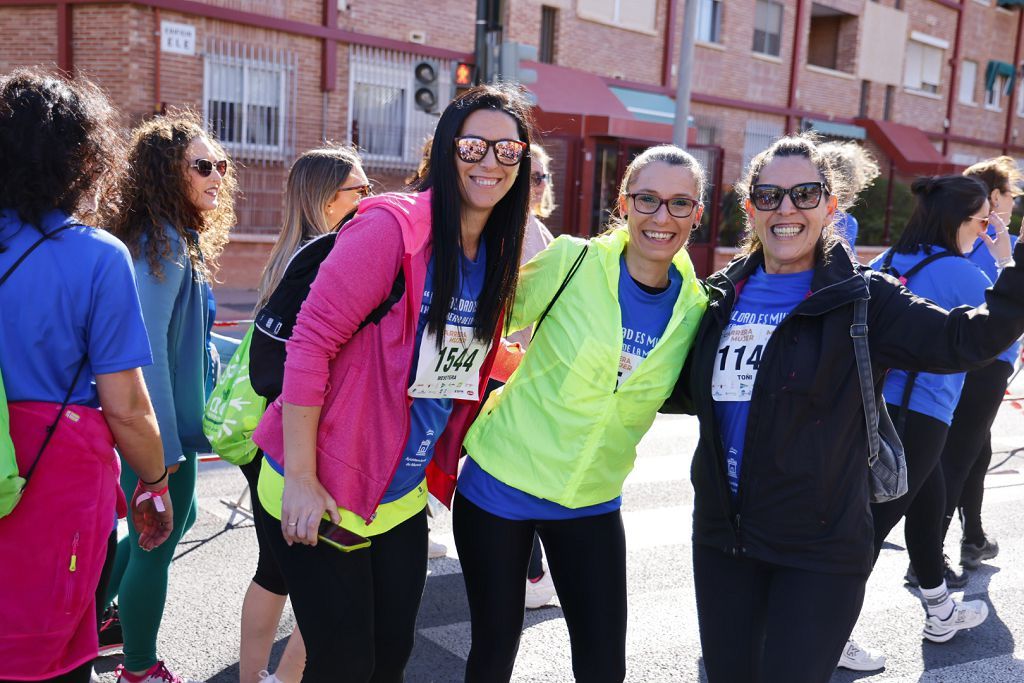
[
  {"x": 46, "y": 236},
  {"x": 53, "y": 427},
  {"x": 568, "y": 276},
  {"x": 397, "y": 290}
]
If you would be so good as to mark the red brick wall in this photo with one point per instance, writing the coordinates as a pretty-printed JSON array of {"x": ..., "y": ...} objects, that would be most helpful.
[{"x": 28, "y": 36}]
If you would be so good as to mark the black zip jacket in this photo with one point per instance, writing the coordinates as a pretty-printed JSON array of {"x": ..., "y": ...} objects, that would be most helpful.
[{"x": 803, "y": 491}]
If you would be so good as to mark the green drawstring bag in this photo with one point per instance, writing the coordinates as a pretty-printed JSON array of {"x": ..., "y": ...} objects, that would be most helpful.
[
  {"x": 234, "y": 409},
  {"x": 11, "y": 482}
]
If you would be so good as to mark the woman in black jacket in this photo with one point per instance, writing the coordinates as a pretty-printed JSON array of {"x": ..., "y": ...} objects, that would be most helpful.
[{"x": 782, "y": 529}]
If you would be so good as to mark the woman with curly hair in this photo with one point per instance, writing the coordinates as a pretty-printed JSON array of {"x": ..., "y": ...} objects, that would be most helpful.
[
  {"x": 857, "y": 169},
  {"x": 63, "y": 287},
  {"x": 176, "y": 211}
]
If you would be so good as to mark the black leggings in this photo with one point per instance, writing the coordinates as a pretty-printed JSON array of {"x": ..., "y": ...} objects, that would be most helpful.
[
  {"x": 587, "y": 560},
  {"x": 357, "y": 610},
  {"x": 81, "y": 674},
  {"x": 923, "y": 439},
  {"x": 268, "y": 575},
  {"x": 762, "y": 623},
  {"x": 969, "y": 443}
]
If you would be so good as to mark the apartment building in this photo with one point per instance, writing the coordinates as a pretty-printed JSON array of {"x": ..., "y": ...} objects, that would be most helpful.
[{"x": 928, "y": 85}]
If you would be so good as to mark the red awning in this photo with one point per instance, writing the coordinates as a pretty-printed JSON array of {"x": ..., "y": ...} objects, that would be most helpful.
[
  {"x": 561, "y": 90},
  {"x": 908, "y": 147}
]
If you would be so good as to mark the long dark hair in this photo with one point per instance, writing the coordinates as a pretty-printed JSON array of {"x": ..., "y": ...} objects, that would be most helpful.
[
  {"x": 59, "y": 144},
  {"x": 503, "y": 233},
  {"x": 943, "y": 204}
]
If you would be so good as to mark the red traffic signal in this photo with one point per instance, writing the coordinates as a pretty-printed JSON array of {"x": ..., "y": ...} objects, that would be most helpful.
[{"x": 465, "y": 75}]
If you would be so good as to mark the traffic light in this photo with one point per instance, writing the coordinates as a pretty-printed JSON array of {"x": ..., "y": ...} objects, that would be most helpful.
[
  {"x": 427, "y": 94},
  {"x": 512, "y": 69},
  {"x": 463, "y": 77}
]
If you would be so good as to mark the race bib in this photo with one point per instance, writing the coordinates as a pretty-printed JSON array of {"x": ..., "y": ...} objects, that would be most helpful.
[
  {"x": 454, "y": 370},
  {"x": 739, "y": 356},
  {"x": 628, "y": 363}
]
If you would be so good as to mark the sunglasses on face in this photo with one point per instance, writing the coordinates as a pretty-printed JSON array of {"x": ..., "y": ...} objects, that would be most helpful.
[
  {"x": 678, "y": 207},
  {"x": 539, "y": 178},
  {"x": 472, "y": 150},
  {"x": 362, "y": 190},
  {"x": 204, "y": 167},
  {"x": 804, "y": 195},
  {"x": 981, "y": 219}
]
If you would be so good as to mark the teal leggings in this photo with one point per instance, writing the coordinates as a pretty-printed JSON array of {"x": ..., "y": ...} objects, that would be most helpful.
[{"x": 139, "y": 578}]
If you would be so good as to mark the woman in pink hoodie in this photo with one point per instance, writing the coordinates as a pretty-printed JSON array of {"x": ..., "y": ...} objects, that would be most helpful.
[{"x": 380, "y": 387}]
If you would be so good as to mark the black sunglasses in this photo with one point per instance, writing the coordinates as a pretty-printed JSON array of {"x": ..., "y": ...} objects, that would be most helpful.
[
  {"x": 538, "y": 178},
  {"x": 473, "y": 149},
  {"x": 362, "y": 190},
  {"x": 678, "y": 207},
  {"x": 804, "y": 195},
  {"x": 204, "y": 167}
]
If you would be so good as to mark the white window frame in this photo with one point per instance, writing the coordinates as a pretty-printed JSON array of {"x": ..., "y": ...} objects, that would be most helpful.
[
  {"x": 706, "y": 24},
  {"x": 391, "y": 69},
  {"x": 1020, "y": 100},
  {"x": 618, "y": 16},
  {"x": 782, "y": 21},
  {"x": 994, "y": 96},
  {"x": 922, "y": 68},
  {"x": 967, "y": 86},
  {"x": 224, "y": 61}
]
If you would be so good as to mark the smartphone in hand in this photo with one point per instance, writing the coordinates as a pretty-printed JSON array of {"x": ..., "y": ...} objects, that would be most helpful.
[{"x": 340, "y": 538}]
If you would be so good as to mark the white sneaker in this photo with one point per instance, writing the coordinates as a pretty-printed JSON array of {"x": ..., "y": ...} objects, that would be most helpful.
[
  {"x": 860, "y": 659},
  {"x": 267, "y": 677},
  {"x": 435, "y": 549},
  {"x": 540, "y": 592},
  {"x": 965, "y": 615}
]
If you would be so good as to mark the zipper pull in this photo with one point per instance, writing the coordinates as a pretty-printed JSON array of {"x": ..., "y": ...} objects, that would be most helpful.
[{"x": 74, "y": 555}]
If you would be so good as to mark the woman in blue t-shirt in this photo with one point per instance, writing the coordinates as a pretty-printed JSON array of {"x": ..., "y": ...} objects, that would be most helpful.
[
  {"x": 177, "y": 209},
  {"x": 951, "y": 212},
  {"x": 65, "y": 288}
]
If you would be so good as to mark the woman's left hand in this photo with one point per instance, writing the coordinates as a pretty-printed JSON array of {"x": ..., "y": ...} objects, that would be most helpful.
[{"x": 999, "y": 247}]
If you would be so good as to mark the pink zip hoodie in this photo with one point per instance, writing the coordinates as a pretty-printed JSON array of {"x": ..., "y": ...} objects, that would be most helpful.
[{"x": 361, "y": 379}]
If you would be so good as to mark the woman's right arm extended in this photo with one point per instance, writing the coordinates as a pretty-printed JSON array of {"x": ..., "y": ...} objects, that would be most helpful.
[{"x": 130, "y": 416}]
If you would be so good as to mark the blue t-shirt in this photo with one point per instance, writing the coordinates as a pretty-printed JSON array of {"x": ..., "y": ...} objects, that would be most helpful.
[
  {"x": 644, "y": 318},
  {"x": 764, "y": 302},
  {"x": 73, "y": 296},
  {"x": 982, "y": 257},
  {"x": 428, "y": 417},
  {"x": 948, "y": 282},
  {"x": 846, "y": 226}
]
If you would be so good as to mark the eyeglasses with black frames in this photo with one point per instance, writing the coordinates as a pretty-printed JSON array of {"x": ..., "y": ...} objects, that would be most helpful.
[{"x": 678, "y": 207}]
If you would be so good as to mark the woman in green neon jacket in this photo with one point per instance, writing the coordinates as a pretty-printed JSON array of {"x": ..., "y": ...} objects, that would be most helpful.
[{"x": 550, "y": 451}]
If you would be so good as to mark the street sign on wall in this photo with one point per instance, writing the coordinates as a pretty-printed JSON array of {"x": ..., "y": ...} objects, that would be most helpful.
[{"x": 178, "y": 39}]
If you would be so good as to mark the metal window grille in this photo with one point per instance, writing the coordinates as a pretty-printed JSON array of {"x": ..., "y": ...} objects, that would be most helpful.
[
  {"x": 383, "y": 119},
  {"x": 248, "y": 96},
  {"x": 759, "y": 135}
]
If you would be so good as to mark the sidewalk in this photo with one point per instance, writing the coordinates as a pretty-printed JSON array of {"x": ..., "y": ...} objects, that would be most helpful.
[{"x": 234, "y": 303}]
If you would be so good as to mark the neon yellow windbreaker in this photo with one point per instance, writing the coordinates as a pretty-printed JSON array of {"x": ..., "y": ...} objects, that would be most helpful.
[{"x": 559, "y": 429}]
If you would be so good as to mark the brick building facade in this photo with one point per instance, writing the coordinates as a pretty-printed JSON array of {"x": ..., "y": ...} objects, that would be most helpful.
[{"x": 928, "y": 84}]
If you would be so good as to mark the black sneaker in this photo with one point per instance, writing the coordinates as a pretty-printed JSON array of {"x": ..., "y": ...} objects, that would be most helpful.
[
  {"x": 971, "y": 556},
  {"x": 953, "y": 580},
  {"x": 111, "y": 638}
]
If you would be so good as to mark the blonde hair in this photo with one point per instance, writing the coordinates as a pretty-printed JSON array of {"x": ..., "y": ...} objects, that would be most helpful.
[
  {"x": 854, "y": 168},
  {"x": 313, "y": 180},
  {"x": 998, "y": 173},
  {"x": 547, "y": 199}
]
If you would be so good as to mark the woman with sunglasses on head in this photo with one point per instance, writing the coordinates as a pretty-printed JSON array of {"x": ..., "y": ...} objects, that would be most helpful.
[
  {"x": 71, "y": 350},
  {"x": 782, "y": 527},
  {"x": 175, "y": 213},
  {"x": 384, "y": 371},
  {"x": 968, "y": 450},
  {"x": 323, "y": 189},
  {"x": 613, "y": 320}
]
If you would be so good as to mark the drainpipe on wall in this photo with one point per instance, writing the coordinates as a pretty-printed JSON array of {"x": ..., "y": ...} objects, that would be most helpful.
[
  {"x": 888, "y": 204},
  {"x": 794, "y": 64},
  {"x": 65, "y": 56},
  {"x": 157, "y": 102},
  {"x": 1014, "y": 86},
  {"x": 670, "y": 30},
  {"x": 954, "y": 64},
  {"x": 329, "y": 48}
]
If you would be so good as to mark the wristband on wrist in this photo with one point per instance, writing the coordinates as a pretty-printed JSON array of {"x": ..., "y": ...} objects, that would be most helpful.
[
  {"x": 142, "y": 495},
  {"x": 157, "y": 481},
  {"x": 1005, "y": 262}
]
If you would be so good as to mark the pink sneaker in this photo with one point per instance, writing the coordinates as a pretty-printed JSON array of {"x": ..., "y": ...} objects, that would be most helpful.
[{"x": 158, "y": 673}]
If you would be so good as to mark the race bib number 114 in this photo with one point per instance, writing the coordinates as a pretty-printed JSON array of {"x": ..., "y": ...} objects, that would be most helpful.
[{"x": 739, "y": 357}]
